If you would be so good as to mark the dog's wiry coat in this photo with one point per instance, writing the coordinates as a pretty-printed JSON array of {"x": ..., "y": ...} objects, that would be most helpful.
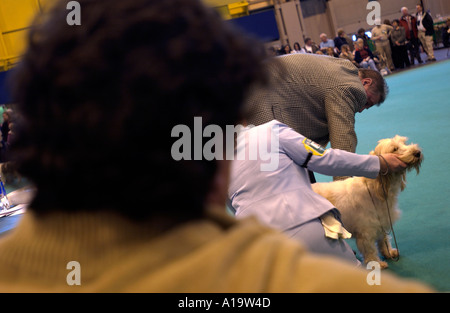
[{"x": 362, "y": 201}]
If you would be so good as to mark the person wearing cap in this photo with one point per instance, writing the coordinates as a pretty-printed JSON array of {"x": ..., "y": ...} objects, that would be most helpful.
[{"x": 380, "y": 35}]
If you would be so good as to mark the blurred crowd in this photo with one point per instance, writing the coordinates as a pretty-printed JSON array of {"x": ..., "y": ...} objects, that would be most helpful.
[{"x": 389, "y": 46}]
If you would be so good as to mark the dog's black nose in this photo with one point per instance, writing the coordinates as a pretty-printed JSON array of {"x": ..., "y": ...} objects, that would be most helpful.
[{"x": 417, "y": 154}]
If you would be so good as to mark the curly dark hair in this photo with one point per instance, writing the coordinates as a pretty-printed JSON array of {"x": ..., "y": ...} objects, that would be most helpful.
[{"x": 98, "y": 102}]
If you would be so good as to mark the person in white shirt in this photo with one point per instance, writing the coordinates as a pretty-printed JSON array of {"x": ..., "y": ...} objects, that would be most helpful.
[
  {"x": 297, "y": 49},
  {"x": 310, "y": 47},
  {"x": 425, "y": 29},
  {"x": 274, "y": 185}
]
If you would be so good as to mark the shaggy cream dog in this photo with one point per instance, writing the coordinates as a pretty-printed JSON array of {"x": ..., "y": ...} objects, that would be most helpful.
[{"x": 362, "y": 201}]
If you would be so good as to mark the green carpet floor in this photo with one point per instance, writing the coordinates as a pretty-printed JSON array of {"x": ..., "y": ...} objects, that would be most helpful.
[{"x": 418, "y": 107}]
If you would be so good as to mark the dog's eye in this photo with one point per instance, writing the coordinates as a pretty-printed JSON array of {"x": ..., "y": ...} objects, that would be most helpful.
[{"x": 395, "y": 149}]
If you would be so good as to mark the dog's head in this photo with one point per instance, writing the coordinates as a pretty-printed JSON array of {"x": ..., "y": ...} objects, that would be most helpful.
[{"x": 411, "y": 154}]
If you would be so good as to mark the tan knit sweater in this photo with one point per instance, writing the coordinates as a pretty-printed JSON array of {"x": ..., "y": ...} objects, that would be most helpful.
[{"x": 216, "y": 254}]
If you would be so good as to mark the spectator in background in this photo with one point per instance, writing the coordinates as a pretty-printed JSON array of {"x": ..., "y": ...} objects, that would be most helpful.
[
  {"x": 425, "y": 31},
  {"x": 5, "y": 130},
  {"x": 409, "y": 23},
  {"x": 446, "y": 34},
  {"x": 310, "y": 46},
  {"x": 362, "y": 35},
  {"x": 349, "y": 40},
  {"x": 388, "y": 22},
  {"x": 5, "y": 124},
  {"x": 399, "y": 52},
  {"x": 331, "y": 52},
  {"x": 380, "y": 35},
  {"x": 286, "y": 49},
  {"x": 298, "y": 48},
  {"x": 363, "y": 56},
  {"x": 348, "y": 55},
  {"x": 325, "y": 42},
  {"x": 340, "y": 40}
]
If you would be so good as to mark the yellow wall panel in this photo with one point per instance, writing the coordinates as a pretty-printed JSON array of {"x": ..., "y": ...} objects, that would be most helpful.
[
  {"x": 15, "y": 42},
  {"x": 15, "y": 19},
  {"x": 17, "y": 14}
]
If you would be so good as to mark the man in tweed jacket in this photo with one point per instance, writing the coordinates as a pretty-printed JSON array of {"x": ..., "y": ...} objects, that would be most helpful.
[{"x": 318, "y": 96}]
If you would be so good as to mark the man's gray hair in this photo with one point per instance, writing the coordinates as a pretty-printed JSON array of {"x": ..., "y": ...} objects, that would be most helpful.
[{"x": 379, "y": 85}]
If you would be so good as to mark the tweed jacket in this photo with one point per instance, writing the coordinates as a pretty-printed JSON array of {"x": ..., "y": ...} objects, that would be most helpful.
[{"x": 315, "y": 95}]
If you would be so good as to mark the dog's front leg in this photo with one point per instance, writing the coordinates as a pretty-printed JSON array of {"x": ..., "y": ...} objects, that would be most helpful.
[
  {"x": 369, "y": 251},
  {"x": 385, "y": 247}
]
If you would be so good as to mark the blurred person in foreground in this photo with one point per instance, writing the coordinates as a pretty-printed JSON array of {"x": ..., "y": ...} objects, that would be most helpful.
[{"x": 109, "y": 194}]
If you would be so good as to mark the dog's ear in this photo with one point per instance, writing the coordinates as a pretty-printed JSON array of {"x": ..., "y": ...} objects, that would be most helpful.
[
  {"x": 403, "y": 184},
  {"x": 401, "y": 138},
  {"x": 380, "y": 148}
]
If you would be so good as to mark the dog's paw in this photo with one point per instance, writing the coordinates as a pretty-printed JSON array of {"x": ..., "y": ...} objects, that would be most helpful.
[
  {"x": 393, "y": 253},
  {"x": 382, "y": 264}
]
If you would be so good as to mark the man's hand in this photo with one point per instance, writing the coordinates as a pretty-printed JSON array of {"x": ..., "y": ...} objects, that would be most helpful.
[{"x": 390, "y": 162}]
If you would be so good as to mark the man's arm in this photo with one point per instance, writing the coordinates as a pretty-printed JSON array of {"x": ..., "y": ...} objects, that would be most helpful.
[
  {"x": 341, "y": 105},
  {"x": 389, "y": 28}
]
